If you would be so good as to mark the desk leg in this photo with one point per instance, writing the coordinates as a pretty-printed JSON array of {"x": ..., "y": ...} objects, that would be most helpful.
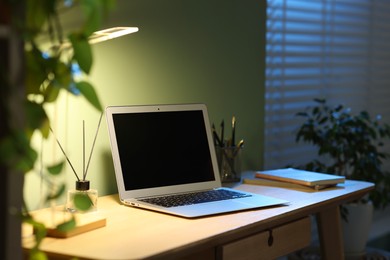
[{"x": 330, "y": 234}]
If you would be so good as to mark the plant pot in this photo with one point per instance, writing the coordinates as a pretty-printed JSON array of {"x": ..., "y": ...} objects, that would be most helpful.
[{"x": 357, "y": 229}]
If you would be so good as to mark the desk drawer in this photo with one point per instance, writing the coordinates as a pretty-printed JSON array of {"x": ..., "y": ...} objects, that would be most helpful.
[{"x": 271, "y": 243}]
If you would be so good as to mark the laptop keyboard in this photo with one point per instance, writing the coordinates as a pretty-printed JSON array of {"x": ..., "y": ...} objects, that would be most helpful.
[{"x": 194, "y": 198}]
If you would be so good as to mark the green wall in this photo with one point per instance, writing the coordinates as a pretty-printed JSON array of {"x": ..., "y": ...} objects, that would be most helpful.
[{"x": 186, "y": 51}]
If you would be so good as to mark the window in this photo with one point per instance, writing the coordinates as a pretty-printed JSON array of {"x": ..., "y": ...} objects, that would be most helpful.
[{"x": 330, "y": 49}]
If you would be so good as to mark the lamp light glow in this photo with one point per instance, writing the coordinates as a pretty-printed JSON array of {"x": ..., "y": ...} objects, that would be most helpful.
[
  {"x": 105, "y": 35},
  {"x": 111, "y": 33}
]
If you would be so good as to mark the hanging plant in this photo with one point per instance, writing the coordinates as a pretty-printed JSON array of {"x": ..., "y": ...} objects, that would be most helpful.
[{"x": 48, "y": 71}]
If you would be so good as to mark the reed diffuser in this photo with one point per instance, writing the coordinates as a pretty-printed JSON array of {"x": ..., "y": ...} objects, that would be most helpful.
[{"x": 82, "y": 198}]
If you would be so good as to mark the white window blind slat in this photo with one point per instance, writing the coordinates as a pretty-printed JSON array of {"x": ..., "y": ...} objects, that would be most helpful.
[{"x": 330, "y": 49}]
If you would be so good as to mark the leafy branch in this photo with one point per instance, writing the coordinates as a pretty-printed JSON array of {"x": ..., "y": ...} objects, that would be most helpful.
[{"x": 48, "y": 71}]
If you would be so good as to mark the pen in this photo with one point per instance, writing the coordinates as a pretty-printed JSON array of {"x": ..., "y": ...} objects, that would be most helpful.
[
  {"x": 233, "y": 130},
  {"x": 216, "y": 138},
  {"x": 239, "y": 146},
  {"x": 222, "y": 133}
]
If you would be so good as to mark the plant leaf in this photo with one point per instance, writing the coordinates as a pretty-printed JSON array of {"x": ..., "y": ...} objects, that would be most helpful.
[
  {"x": 57, "y": 194},
  {"x": 35, "y": 75},
  {"x": 51, "y": 93},
  {"x": 37, "y": 12},
  {"x": 82, "y": 51},
  {"x": 56, "y": 169},
  {"x": 304, "y": 114},
  {"x": 63, "y": 75},
  {"x": 89, "y": 93},
  {"x": 16, "y": 152},
  {"x": 93, "y": 12},
  {"x": 36, "y": 254},
  {"x": 68, "y": 225},
  {"x": 37, "y": 118},
  {"x": 320, "y": 100},
  {"x": 82, "y": 201},
  {"x": 39, "y": 228}
]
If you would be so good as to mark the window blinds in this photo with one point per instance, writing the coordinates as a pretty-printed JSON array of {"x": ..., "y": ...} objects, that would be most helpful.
[{"x": 338, "y": 50}]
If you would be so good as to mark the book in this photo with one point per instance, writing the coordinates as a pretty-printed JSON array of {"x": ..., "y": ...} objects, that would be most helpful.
[{"x": 315, "y": 180}]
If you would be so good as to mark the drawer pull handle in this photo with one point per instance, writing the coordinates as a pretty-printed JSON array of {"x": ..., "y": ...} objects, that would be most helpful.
[{"x": 270, "y": 238}]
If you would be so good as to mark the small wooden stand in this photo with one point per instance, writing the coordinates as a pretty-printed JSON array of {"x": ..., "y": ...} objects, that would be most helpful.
[{"x": 52, "y": 217}]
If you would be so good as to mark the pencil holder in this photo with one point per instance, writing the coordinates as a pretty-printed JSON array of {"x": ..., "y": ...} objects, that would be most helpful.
[
  {"x": 229, "y": 163},
  {"x": 82, "y": 199}
]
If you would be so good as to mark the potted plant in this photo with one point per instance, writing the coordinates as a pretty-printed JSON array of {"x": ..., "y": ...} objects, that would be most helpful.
[
  {"x": 350, "y": 145},
  {"x": 44, "y": 74}
]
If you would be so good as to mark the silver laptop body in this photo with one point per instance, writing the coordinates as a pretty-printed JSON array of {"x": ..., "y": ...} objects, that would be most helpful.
[{"x": 159, "y": 150}]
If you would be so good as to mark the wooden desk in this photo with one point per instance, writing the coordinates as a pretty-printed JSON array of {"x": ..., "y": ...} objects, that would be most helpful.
[{"x": 139, "y": 234}]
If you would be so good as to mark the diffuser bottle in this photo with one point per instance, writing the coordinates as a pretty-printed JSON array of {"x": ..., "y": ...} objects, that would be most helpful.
[{"x": 82, "y": 199}]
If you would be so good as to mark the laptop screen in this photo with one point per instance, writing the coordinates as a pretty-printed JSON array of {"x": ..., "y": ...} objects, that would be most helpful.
[{"x": 162, "y": 148}]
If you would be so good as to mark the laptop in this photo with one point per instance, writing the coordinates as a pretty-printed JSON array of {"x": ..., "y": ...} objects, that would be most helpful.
[{"x": 166, "y": 153}]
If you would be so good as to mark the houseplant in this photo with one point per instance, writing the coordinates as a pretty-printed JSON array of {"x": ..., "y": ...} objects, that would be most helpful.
[
  {"x": 44, "y": 74},
  {"x": 350, "y": 145}
]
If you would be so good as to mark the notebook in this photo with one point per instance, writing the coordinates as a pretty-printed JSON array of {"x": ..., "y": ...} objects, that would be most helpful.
[
  {"x": 311, "y": 179},
  {"x": 168, "y": 150}
]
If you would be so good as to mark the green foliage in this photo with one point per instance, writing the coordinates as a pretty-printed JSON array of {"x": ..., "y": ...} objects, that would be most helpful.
[
  {"x": 47, "y": 73},
  {"x": 56, "y": 169},
  {"x": 40, "y": 233},
  {"x": 56, "y": 192},
  {"x": 36, "y": 254},
  {"x": 349, "y": 145},
  {"x": 16, "y": 152},
  {"x": 82, "y": 51},
  {"x": 88, "y": 91},
  {"x": 82, "y": 201},
  {"x": 66, "y": 226},
  {"x": 36, "y": 119}
]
